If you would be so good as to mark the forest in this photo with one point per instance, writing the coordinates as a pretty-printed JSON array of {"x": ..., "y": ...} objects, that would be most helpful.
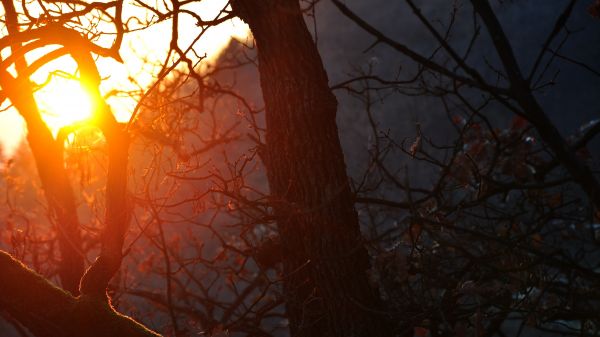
[{"x": 299, "y": 168}]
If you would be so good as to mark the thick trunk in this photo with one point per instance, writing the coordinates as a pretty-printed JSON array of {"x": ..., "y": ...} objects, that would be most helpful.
[
  {"x": 325, "y": 263},
  {"x": 50, "y": 312}
]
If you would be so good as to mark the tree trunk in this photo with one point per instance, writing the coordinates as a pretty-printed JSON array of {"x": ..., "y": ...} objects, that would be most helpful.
[
  {"x": 48, "y": 155},
  {"x": 325, "y": 263},
  {"x": 61, "y": 202}
]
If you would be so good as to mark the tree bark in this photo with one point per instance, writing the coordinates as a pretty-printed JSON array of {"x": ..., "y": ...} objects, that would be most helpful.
[
  {"x": 48, "y": 155},
  {"x": 325, "y": 263},
  {"x": 118, "y": 211},
  {"x": 48, "y": 311}
]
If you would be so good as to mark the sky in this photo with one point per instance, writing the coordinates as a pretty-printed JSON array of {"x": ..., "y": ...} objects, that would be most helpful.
[{"x": 62, "y": 101}]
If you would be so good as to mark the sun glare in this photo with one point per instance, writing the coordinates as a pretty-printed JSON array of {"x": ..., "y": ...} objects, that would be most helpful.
[{"x": 63, "y": 102}]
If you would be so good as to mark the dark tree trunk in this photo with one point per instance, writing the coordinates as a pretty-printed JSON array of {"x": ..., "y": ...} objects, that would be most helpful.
[{"x": 324, "y": 259}]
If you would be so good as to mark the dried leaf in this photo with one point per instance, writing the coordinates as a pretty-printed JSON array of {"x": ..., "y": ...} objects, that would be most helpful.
[{"x": 416, "y": 145}]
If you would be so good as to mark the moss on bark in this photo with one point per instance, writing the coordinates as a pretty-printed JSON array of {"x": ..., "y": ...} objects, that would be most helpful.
[{"x": 48, "y": 311}]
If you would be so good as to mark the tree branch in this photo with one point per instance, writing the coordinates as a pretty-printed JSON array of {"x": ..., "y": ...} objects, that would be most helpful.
[{"x": 522, "y": 93}]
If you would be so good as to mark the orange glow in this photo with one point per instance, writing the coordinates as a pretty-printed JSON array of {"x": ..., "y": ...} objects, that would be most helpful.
[{"x": 63, "y": 102}]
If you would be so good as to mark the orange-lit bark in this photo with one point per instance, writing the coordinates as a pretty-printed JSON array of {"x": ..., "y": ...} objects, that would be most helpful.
[
  {"x": 96, "y": 278},
  {"x": 48, "y": 156},
  {"x": 30, "y": 299},
  {"x": 327, "y": 292},
  {"x": 118, "y": 210}
]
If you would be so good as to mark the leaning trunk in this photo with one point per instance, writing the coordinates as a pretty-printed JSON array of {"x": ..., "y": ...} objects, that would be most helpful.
[{"x": 325, "y": 263}]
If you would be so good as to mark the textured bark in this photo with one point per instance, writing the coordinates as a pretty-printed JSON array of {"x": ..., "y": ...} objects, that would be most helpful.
[
  {"x": 48, "y": 311},
  {"x": 327, "y": 291}
]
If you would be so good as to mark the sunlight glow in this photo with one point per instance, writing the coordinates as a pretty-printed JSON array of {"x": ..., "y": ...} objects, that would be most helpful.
[{"x": 63, "y": 102}]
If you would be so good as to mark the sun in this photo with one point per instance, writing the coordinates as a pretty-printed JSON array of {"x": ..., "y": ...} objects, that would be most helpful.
[{"x": 63, "y": 102}]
